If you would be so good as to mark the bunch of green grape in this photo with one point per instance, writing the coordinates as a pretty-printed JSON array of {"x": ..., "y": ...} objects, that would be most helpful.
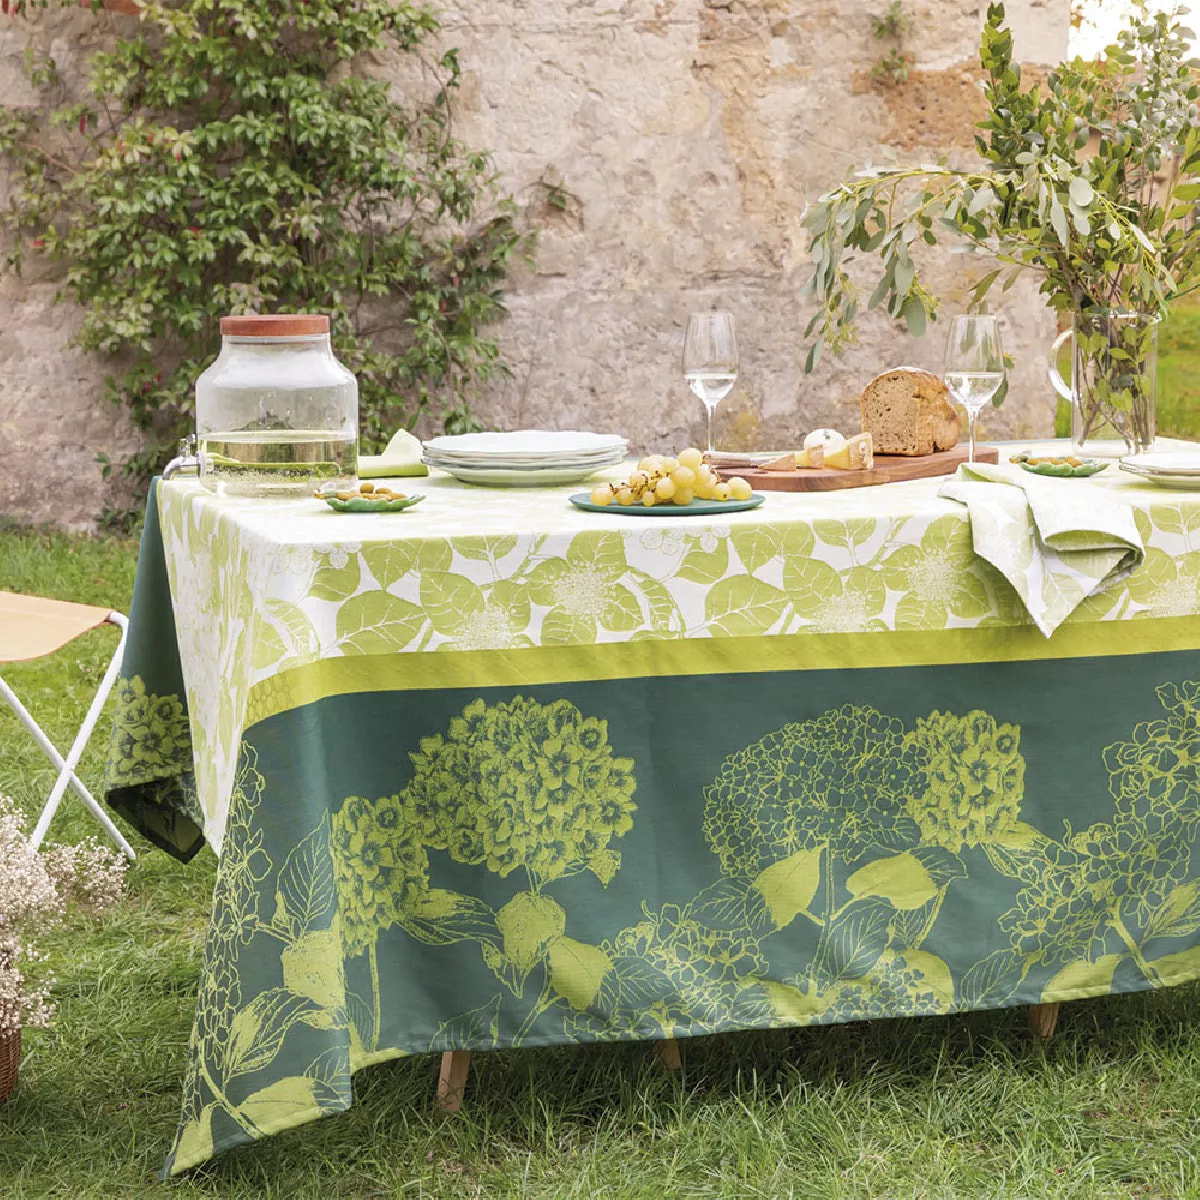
[{"x": 666, "y": 480}]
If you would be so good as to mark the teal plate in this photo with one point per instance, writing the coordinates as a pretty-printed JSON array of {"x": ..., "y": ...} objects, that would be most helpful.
[
  {"x": 1087, "y": 466},
  {"x": 364, "y": 505},
  {"x": 697, "y": 508}
]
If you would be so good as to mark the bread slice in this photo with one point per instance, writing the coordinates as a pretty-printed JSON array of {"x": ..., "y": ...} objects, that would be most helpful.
[{"x": 907, "y": 411}]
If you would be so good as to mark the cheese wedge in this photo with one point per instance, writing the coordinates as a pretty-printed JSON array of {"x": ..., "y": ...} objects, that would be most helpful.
[
  {"x": 814, "y": 456},
  {"x": 855, "y": 455}
]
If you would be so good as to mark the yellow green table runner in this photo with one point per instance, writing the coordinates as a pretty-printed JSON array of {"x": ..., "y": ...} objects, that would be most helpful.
[{"x": 495, "y": 772}]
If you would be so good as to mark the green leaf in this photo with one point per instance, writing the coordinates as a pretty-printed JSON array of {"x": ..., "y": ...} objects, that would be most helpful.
[
  {"x": 305, "y": 893},
  {"x": 914, "y": 316},
  {"x": 901, "y": 880},
  {"x": 195, "y": 1142},
  {"x": 257, "y": 1031},
  {"x": 577, "y": 971},
  {"x": 441, "y": 918},
  {"x": 486, "y": 547},
  {"x": 563, "y": 628},
  {"x": 755, "y": 545},
  {"x": 476, "y": 1029},
  {"x": 788, "y": 886},
  {"x": 809, "y": 583},
  {"x": 622, "y": 612},
  {"x": 295, "y": 637},
  {"x": 791, "y": 1006},
  {"x": 1179, "y": 914},
  {"x": 312, "y": 967},
  {"x": 743, "y": 606},
  {"x": 1058, "y": 221},
  {"x": 991, "y": 981},
  {"x": 449, "y": 600},
  {"x": 1082, "y": 193},
  {"x": 378, "y": 622},
  {"x": 281, "y": 1104},
  {"x": 852, "y": 944},
  {"x": 390, "y": 562},
  {"x": 735, "y": 906},
  {"x": 528, "y": 924},
  {"x": 935, "y": 973},
  {"x": 336, "y": 583},
  {"x": 1084, "y": 976},
  {"x": 1178, "y": 967},
  {"x": 703, "y": 567}
]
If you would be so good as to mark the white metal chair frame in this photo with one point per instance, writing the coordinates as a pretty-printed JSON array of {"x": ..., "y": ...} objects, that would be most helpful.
[{"x": 66, "y": 766}]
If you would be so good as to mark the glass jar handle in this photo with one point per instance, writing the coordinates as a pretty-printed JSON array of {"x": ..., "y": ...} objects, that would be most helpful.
[{"x": 1056, "y": 380}]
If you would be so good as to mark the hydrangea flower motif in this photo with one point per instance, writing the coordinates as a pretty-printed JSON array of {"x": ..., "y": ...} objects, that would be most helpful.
[
  {"x": 841, "y": 778},
  {"x": 583, "y": 592},
  {"x": 1159, "y": 766},
  {"x": 892, "y": 988},
  {"x": 380, "y": 866},
  {"x": 523, "y": 785},
  {"x": 706, "y": 969},
  {"x": 150, "y": 738},
  {"x": 1166, "y": 585},
  {"x": 1137, "y": 861},
  {"x": 1061, "y": 914},
  {"x": 244, "y": 863},
  {"x": 937, "y": 577},
  {"x": 976, "y": 777}
]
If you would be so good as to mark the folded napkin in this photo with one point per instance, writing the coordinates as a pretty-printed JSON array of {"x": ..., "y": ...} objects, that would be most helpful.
[
  {"x": 1055, "y": 540},
  {"x": 401, "y": 457}
]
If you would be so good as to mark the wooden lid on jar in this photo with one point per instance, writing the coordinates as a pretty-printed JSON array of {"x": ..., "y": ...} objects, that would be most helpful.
[{"x": 275, "y": 325}]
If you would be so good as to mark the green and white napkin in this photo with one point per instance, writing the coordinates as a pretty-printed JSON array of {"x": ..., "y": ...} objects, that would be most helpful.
[
  {"x": 1055, "y": 540},
  {"x": 401, "y": 457}
]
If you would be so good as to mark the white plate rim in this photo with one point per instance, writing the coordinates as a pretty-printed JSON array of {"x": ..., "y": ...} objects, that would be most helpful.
[
  {"x": 525, "y": 443},
  {"x": 1144, "y": 464}
]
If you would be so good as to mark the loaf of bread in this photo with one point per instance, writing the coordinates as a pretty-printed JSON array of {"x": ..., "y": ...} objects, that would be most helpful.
[{"x": 908, "y": 412}]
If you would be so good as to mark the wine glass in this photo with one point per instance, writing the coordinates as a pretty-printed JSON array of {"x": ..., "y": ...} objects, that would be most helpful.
[
  {"x": 974, "y": 366},
  {"x": 710, "y": 360}
]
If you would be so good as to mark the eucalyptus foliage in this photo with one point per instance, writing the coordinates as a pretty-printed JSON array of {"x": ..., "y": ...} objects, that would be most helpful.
[
  {"x": 228, "y": 157},
  {"x": 1088, "y": 181}
]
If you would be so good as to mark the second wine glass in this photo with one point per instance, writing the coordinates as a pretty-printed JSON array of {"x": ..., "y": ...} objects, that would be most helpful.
[
  {"x": 974, "y": 366},
  {"x": 710, "y": 360}
]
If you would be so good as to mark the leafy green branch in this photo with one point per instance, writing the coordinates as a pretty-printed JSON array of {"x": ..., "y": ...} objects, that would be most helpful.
[{"x": 1089, "y": 185}]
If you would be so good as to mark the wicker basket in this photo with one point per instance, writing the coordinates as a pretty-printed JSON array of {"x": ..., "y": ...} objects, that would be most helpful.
[{"x": 10, "y": 1063}]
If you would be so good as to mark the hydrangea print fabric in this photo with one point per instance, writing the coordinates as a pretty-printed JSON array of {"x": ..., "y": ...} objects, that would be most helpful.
[
  {"x": 534, "y": 880},
  {"x": 510, "y": 780}
]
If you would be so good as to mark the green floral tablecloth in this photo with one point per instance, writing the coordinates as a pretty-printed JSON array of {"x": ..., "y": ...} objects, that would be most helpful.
[{"x": 495, "y": 772}]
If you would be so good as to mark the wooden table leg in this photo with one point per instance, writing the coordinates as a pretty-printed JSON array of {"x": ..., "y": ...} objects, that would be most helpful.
[
  {"x": 452, "y": 1079},
  {"x": 1043, "y": 1018},
  {"x": 667, "y": 1051}
]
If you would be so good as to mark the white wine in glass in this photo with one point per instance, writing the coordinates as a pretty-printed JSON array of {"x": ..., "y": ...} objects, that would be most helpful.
[
  {"x": 974, "y": 366},
  {"x": 710, "y": 360}
]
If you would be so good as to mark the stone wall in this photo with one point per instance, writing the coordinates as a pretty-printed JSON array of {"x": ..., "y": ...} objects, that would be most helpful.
[{"x": 684, "y": 137}]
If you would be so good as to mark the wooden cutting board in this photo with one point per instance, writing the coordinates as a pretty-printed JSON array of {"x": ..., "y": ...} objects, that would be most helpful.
[{"x": 888, "y": 468}]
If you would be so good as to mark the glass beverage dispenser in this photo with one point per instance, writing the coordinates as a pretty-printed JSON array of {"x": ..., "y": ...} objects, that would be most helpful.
[{"x": 276, "y": 413}]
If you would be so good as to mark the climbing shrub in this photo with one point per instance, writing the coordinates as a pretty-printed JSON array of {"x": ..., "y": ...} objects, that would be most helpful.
[{"x": 230, "y": 156}]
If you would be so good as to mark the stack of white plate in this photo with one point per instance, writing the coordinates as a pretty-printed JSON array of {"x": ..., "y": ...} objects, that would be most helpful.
[
  {"x": 526, "y": 458},
  {"x": 1167, "y": 468}
]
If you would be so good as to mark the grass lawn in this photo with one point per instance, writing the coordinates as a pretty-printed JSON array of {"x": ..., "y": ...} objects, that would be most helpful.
[
  {"x": 949, "y": 1107},
  {"x": 1177, "y": 405}
]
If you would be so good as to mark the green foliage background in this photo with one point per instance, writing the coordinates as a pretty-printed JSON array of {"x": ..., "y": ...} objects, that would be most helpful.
[{"x": 227, "y": 157}]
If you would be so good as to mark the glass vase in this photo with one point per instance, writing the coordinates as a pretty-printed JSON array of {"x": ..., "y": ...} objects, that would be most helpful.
[{"x": 1114, "y": 363}]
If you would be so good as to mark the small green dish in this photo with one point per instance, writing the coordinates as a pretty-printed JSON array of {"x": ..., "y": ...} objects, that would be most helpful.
[
  {"x": 1087, "y": 466},
  {"x": 363, "y": 505}
]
